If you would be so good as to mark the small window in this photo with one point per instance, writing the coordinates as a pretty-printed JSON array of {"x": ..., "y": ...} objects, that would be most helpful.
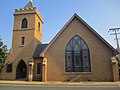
[
  {"x": 38, "y": 68},
  {"x": 24, "y": 23},
  {"x": 9, "y": 67},
  {"x": 23, "y": 41},
  {"x": 39, "y": 26}
]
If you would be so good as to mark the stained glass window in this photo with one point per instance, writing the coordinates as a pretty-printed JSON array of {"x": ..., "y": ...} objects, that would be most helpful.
[{"x": 77, "y": 56}]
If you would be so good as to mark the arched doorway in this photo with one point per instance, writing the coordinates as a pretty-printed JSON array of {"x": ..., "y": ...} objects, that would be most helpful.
[{"x": 21, "y": 71}]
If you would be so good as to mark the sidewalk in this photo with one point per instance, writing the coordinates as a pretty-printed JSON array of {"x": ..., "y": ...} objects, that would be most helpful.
[{"x": 61, "y": 83}]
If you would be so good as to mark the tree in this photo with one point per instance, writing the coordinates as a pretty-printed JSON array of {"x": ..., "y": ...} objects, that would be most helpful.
[{"x": 3, "y": 54}]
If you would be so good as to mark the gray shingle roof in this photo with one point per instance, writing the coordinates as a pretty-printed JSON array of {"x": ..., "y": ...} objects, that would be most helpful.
[
  {"x": 29, "y": 5},
  {"x": 39, "y": 49}
]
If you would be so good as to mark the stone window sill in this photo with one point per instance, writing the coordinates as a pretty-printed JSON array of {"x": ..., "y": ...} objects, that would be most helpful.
[
  {"x": 22, "y": 45},
  {"x": 78, "y": 73}
]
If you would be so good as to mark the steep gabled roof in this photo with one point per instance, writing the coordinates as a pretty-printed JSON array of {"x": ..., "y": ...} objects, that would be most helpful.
[
  {"x": 29, "y": 5},
  {"x": 75, "y": 15}
]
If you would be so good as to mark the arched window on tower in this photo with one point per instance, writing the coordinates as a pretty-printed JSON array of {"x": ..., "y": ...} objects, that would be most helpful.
[
  {"x": 24, "y": 23},
  {"x": 77, "y": 56},
  {"x": 39, "y": 26}
]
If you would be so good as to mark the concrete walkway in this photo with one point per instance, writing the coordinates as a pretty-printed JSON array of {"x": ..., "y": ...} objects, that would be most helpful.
[{"x": 61, "y": 83}]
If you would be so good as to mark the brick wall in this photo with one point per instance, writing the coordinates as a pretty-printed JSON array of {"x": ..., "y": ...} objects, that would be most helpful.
[{"x": 100, "y": 54}]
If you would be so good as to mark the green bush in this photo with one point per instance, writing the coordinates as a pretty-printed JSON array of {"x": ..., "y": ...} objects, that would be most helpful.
[{"x": 3, "y": 54}]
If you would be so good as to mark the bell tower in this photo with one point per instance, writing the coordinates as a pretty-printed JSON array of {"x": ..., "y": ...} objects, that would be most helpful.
[
  {"x": 27, "y": 35},
  {"x": 27, "y": 26}
]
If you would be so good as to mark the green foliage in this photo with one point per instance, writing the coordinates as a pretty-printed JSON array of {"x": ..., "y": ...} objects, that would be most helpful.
[
  {"x": 3, "y": 54},
  {"x": 118, "y": 60}
]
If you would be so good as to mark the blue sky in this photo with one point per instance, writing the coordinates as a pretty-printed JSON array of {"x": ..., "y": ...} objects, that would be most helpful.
[{"x": 101, "y": 15}]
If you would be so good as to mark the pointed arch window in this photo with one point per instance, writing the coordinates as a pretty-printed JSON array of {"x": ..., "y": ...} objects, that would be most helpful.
[
  {"x": 77, "y": 56},
  {"x": 24, "y": 23}
]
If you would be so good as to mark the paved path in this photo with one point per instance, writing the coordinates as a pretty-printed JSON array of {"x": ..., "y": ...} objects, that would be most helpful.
[{"x": 44, "y": 87}]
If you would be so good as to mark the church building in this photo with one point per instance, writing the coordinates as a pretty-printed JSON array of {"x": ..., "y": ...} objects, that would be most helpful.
[{"x": 77, "y": 53}]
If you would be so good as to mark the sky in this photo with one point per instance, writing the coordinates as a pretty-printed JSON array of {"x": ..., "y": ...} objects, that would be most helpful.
[{"x": 101, "y": 15}]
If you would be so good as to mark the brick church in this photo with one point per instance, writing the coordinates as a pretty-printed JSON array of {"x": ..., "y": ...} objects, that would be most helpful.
[{"x": 77, "y": 53}]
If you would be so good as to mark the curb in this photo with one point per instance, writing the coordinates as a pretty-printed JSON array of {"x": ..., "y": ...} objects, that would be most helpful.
[{"x": 61, "y": 83}]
